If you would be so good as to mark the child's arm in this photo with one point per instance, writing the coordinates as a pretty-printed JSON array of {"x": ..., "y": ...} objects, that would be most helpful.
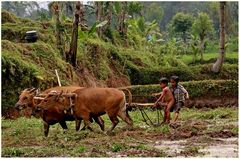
[
  {"x": 185, "y": 93},
  {"x": 161, "y": 96},
  {"x": 156, "y": 94}
]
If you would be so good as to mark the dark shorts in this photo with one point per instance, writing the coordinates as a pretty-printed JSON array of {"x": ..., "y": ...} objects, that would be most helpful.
[{"x": 176, "y": 107}]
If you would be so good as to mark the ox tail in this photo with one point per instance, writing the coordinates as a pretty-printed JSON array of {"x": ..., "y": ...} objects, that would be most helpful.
[
  {"x": 123, "y": 113},
  {"x": 129, "y": 95},
  {"x": 129, "y": 100}
]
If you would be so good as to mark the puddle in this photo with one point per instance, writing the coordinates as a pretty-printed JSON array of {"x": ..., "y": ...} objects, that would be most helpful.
[
  {"x": 227, "y": 149},
  {"x": 171, "y": 147}
]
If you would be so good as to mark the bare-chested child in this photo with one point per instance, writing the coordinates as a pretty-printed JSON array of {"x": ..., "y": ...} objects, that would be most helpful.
[{"x": 166, "y": 99}]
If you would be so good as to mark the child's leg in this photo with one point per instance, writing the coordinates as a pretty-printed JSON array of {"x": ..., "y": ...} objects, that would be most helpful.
[
  {"x": 168, "y": 108},
  {"x": 176, "y": 114},
  {"x": 164, "y": 118},
  {"x": 164, "y": 105},
  {"x": 176, "y": 111}
]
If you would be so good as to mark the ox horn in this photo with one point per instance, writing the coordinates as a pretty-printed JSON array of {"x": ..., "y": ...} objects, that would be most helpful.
[
  {"x": 27, "y": 89},
  {"x": 53, "y": 92},
  {"x": 33, "y": 89},
  {"x": 41, "y": 98},
  {"x": 41, "y": 95},
  {"x": 59, "y": 95}
]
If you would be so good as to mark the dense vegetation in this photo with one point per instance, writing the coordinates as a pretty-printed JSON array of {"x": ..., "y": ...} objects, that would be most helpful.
[{"x": 114, "y": 51}]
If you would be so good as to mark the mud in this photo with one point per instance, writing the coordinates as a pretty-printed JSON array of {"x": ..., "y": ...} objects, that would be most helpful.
[
  {"x": 229, "y": 148},
  {"x": 183, "y": 148},
  {"x": 221, "y": 134}
]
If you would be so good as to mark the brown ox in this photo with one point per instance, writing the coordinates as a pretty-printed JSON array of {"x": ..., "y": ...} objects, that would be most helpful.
[
  {"x": 26, "y": 100},
  {"x": 92, "y": 102},
  {"x": 27, "y": 95}
]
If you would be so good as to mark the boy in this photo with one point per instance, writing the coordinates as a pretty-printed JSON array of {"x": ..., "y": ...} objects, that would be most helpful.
[
  {"x": 166, "y": 99},
  {"x": 180, "y": 94}
]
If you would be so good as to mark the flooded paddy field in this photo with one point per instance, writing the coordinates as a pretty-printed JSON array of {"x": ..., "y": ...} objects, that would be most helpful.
[{"x": 199, "y": 133}]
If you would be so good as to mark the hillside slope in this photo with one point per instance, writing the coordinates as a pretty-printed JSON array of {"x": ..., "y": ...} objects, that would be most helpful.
[{"x": 100, "y": 63}]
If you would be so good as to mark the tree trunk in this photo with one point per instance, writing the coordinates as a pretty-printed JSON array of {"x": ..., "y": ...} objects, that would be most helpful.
[
  {"x": 82, "y": 20},
  {"x": 56, "y": 9},
  {"x": 184, "y": 37},
  {"x": 109, "y": 15},
  {"x": 72, "y": 54},
  {"x": 99, "y": 14},
  {"x": 202, "y": 48},
  {"x": 121, "y": 19},
  {"x": 122, "y": 28},
  {"x": 218, "y": 64}
]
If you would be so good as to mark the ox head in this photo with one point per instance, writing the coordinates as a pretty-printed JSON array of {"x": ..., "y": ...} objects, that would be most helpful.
[
  {"x": 26, "y": 98},
  {"x": 54, "y": 102}
]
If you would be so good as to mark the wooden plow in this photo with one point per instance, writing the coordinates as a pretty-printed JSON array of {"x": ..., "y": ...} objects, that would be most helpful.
[{"x": 146, "y": 118}]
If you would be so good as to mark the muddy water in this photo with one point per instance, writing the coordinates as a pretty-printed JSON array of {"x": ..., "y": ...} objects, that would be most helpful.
[
  {"x": 229, "y": 148},
  {"x": 171, "y": 147},
  {"x": 221, "y": 148}
]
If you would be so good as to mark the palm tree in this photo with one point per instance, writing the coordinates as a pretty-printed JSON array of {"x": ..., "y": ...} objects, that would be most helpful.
[
  {"x": 58, "y": 28},
  {"x": 110, "y": 12},
  {"x": 72, "y": 54},
  {"x": 99, "y": 16},
  {"x": 218, "y": 64}
]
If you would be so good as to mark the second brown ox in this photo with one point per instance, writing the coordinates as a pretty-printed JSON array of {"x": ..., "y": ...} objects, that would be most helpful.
[
  {"x": 52, "y": 116},
  {"x": 90, "y": 102}
]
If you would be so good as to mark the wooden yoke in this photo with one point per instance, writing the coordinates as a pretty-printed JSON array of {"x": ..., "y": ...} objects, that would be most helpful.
[{"x": 70, "y": 96}]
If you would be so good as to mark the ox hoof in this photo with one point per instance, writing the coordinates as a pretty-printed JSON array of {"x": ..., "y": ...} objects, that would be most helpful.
[
  {"x": 110, "y": 133},
  {"x": 128, "y": 128},
  {"x": 84, "y": 128}
]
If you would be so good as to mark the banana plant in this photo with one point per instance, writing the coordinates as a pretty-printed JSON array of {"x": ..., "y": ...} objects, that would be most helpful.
[
  {"x": 84, "y": 35},
  {"x": 138, "y": 28}
]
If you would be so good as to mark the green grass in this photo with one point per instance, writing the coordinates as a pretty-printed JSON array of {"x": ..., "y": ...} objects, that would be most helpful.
[
  {"x": 24, "y": 137},
  {"x": 207, "y": 56},
  {"x": 209, "y": 114}
]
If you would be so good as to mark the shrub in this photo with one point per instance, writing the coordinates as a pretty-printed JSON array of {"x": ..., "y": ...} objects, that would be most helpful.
[
  {"x": 199, "y": 72},
  {"x": 29, "y": 65},
  {"x": 8, "y": 17},
  {"x": 205, "y": 88}
]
